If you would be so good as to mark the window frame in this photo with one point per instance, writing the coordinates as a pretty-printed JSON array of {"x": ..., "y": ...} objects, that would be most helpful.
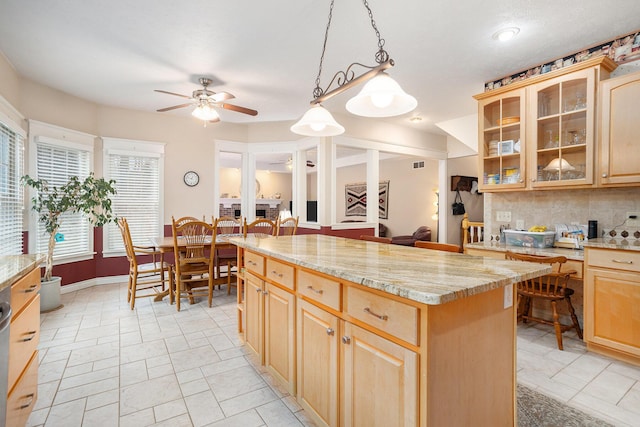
[
  {"x": 15, "y": 171},
  {"x": 128, "y": 147}
]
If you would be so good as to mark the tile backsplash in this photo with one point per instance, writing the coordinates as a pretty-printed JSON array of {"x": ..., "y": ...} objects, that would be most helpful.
[{"x": 607, "y": 206}]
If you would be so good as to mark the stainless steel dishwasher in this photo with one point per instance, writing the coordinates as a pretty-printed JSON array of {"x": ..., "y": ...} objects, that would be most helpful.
[{"x": 5, "y": 320}]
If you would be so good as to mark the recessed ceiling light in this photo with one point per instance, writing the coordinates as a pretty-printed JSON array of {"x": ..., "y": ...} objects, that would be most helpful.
[{"x": 506, "y": 34}]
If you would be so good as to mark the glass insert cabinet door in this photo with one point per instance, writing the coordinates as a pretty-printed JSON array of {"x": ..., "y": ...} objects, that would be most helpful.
[
  {"x": 563, "y": 132},
  {"x": 502, "y": 158}
]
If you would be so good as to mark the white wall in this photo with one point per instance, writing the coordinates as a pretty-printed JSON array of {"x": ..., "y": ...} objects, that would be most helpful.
[{"x": 411, "y": 193}]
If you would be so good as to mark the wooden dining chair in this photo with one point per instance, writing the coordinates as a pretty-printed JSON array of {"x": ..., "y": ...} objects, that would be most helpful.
[
  {"x": 287, "y": 227},
  {"x": 375, "y": 238},
  {"x": 193, "y": 274},
  {"x": 145, "y": 279},
  {"x": 260, "y": 226},
  {"x": 472, "y": 231},
  {"x": 447, "y": 247},
  {"x": 227, "y": 256},
  {"x": 551, "y": 287}
]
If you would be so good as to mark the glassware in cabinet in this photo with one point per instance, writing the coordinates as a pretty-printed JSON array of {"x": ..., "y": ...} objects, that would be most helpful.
[{"x": 501, "y": 150}]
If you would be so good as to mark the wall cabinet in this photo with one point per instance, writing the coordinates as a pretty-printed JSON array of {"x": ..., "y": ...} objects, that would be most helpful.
[
  {"x": 23, "y": 348},
  {"x": 541, "y": 132},
  {"x": 612, "y": 303},
  {"x": 620, "y": 117}
]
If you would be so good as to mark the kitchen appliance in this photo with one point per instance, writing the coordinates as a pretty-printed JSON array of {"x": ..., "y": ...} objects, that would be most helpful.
[{"x": 5, "y": 320}]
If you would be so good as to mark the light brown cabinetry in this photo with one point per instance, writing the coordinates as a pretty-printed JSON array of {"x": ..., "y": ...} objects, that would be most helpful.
[
  {"x": 270, "y": 316},
  {"x": 612, "y": 303},
  {"x": 554, "y": 122},
  {"x": 23, "y": 354},
  {"x": 619, "y": 162}
]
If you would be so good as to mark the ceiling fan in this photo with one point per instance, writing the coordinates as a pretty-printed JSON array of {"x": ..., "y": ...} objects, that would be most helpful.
[{"x": 206, "y": 101}]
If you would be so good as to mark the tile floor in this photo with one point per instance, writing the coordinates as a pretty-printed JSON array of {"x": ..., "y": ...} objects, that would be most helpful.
[{"x": 105, "y": 365}]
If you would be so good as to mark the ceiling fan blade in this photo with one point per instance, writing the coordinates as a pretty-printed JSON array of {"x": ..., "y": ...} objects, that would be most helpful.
[
  {"x": 239, "y": 109},
  {"x": 172, "y": 93},
  {"x": 221, "y": 96},
  {"x": 162, "y": 110}
]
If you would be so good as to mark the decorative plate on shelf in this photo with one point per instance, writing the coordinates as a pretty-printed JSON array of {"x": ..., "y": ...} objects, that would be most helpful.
[{"x": 508, "y": 120}]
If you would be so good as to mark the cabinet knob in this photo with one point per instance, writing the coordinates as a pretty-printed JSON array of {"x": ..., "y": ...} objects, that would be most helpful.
[
  {"x": 346, "y": 340},
  {"x": 265, "y": 292},
  {"x": 330, "y": 332},
  {"x": 604, "y": 175},
  {"x": 258, "y": 290}
]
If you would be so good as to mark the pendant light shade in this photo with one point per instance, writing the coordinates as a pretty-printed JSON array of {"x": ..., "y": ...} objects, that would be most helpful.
[
  {"x": 317, "y": 121},
  {"x": 381, "y": 97},
  {"x": 205, "y": 112}
]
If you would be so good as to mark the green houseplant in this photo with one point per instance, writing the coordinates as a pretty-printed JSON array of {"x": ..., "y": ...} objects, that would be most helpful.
[{"x": 90, "y": 196}]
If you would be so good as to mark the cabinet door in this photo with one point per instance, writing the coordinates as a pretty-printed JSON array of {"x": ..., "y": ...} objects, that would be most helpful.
[
  {"x": 317, "y": 345},
  {"x": 501, "y": 148},
  {"x": 612, "y": 310},
  {"x": 279, "y": 335},
  {"x": 620, "y": 118},
  {"x": 380, "y": 381},
  {"x": 254, "y": 314},
  {"x": 562, "y": 130}
]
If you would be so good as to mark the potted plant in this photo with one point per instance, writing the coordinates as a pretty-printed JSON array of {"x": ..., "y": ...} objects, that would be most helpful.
[{"x": 90, "y": 196}]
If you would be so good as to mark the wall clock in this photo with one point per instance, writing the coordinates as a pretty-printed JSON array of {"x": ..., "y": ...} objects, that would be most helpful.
[{"x": 191, "y": 178}]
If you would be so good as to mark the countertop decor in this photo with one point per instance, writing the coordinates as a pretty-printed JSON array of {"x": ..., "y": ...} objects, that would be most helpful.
[{"x": 426, "y": 276}]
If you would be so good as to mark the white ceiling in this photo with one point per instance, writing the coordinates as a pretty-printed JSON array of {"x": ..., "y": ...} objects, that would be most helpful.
[{"x": 266, "y": 52}]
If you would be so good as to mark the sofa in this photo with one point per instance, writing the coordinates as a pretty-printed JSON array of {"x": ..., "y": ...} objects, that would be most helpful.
[{"x": 422, "y": 233}]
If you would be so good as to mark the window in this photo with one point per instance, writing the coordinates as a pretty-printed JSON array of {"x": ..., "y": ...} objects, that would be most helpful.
[
  {"x": 137, "y": 168},
  {"x": 11, "y": 193},
  {"x": 56, "y": 161}
]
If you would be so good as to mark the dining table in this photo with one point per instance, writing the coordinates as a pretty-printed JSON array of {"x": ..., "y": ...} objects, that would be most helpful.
[{"x": 164, "y": 244}]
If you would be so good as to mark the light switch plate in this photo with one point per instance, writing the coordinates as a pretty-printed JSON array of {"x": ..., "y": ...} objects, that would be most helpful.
[
  {"x": 508, "y": 296},
  {"x": 503, "y": 216},
  {"x": 520, "y": 224}
]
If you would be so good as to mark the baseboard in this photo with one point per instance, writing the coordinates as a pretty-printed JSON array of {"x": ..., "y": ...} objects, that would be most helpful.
[{"x": 97, "y": 281}]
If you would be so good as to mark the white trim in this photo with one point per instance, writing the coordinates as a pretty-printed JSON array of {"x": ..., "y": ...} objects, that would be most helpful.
[
  {"x": 96, "y": 281},
  {"x": 349, "y": 225},
  {"x": 113, "y": 254},
  {"x": 129, "y": 145},
  {"x": 38, "y": 128},
  {"x": 80, "y": 146},
  {"x": 310, "y": 225},
  {"x": 8, "y": 121}
]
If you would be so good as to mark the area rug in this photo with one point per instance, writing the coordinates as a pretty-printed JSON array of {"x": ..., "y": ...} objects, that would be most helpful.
[
  {"x": 538, "y": 410},
  {"x": 356, "y": 199}
]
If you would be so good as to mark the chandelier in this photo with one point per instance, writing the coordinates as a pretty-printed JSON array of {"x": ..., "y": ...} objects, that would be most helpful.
[{"x": 381, "y": 96}]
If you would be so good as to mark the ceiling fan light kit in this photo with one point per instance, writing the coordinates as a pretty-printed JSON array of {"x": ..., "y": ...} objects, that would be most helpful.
[
  {"x": 380, "y": 97},
  {"x": 206, "y": 102}
]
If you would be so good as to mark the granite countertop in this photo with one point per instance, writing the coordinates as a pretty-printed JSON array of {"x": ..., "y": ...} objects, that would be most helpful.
[
  {"x": 610, "y": 243},
  {"x": 573, "y": 254},
  {"x": 422, "y": 275},
  {"x": 13, "y": 267}
]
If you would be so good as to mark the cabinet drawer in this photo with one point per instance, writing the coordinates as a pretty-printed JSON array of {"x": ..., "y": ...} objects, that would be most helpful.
[
  {"x": 619, "y": 260},
  {"x": 393, "y": 317},
  {"x": 254, "y": 262},
  {"x": 22, "y": 399},
  {"x": 280, "y": 273},
  {"x": 24, "y": 336},
  {"x": 320, "y": 289},
  {"x": 23, "y": 290}
]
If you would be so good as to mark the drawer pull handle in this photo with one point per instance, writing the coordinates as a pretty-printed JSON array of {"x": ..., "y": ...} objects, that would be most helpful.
[
  {"x": 379, "y": 316},
  {"x": 330, "y": 332},
  {"x": 621, "y": 261},
  {"x": 32, "y": 288},
  {"x": 252, "y": 263},
  {"x": 317, "y": 291},
  {"x": 346, "y": 340},
  {"x": 32, "y": 333},
  {"x": 29, "y": 396},
  {"x": 276, "y": 273}
]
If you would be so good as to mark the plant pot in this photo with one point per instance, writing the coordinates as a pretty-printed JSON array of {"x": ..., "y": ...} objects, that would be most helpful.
[{"x": 50, "y": 295}]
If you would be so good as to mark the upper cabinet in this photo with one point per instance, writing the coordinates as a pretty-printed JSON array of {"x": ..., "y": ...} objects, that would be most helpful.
[
  {"x": 548, "y": 140},
  {"x": 500, "y": 147},
  {"x": 619, "y": 162}
]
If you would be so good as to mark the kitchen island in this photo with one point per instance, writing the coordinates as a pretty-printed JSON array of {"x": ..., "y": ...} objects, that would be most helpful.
[{"x": 365, "y": 333}]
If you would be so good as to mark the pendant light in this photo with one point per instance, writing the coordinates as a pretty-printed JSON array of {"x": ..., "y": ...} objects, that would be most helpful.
[{"x": 380, "y": 97}]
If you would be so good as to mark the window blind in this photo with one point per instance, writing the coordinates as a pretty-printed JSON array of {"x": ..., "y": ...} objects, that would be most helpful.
[
  {"x": 11, "y": 193},
  {"x": 56, "y": 163},
  {"x": 138, "y": 197}
]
